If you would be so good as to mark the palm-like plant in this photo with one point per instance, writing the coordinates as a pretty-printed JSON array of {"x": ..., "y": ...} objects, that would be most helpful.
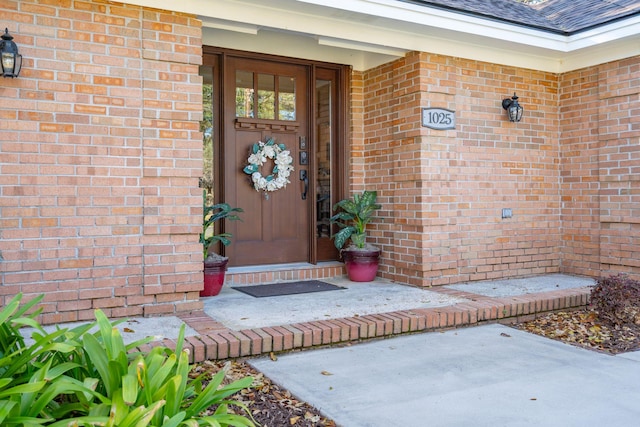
[
  {"x": 356, "y": 213},
  {"x": 210, "y": 215}
]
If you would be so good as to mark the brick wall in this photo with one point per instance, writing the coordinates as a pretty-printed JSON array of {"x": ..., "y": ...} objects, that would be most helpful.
[
  {"x": 101, "y": 154},
  {"x": 601, "y": 168},
  {"x": 569, "y": 170},
  {"x": 443, "y": 191}
]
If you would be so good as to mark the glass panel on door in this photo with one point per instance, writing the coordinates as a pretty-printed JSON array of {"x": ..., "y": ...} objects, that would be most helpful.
[
  {"x": 286, "y": 98},
  {"x": 207, "y": 129},
  {"x": 244, "y": 94},
  {"x": 265, "y": 96},
  {"x": 324, "y": 133}
]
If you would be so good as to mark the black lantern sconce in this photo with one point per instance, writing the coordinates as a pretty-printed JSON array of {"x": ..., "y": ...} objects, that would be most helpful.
[
  {"x": 11, "y": 60},
  {"x": 514, "y": 110}
]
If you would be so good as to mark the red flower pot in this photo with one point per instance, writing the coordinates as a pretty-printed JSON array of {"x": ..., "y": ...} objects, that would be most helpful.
[
  {"x": 214, "y": 268},
  {"x": 361, "y": 264}
]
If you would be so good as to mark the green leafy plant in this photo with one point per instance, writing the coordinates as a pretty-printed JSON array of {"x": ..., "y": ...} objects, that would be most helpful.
[
  {"x": 353, "y": 218},
  {"x": 32, "y": 372},
  {"x": 210, "y": 215},
  {"x": 617, "y": 300},
  {"x": 73, "y": 377}
]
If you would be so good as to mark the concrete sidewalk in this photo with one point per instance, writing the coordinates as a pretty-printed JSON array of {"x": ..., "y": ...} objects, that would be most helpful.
[{"x": 490, "y": 375}]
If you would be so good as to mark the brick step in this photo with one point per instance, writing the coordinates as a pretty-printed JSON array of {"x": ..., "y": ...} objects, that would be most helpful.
[{"x": 263, "y": 274}]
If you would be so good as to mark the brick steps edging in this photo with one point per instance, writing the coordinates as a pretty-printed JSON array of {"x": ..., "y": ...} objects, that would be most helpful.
[{"x": 218, "y": 343}]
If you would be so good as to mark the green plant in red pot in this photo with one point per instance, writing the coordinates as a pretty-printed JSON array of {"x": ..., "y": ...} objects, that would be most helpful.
[
  {"x": 360, "y": 258},
  {"x": 215, "y": 265}
]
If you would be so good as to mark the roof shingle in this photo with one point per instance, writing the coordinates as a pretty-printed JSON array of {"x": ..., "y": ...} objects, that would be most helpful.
[{"x": 558, "y": 16}]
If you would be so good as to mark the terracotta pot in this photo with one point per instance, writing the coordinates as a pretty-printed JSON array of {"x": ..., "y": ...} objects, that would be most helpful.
[
  {"x": 214, "y": 268},
  {"x": 361, "y": 265}
]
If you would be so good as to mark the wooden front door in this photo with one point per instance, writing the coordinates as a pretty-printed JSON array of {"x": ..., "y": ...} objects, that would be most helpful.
[{"x": 262, "y": 100}]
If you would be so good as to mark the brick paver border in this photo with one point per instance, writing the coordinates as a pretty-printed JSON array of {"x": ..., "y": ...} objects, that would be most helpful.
[{"x": 216, "y": 342}]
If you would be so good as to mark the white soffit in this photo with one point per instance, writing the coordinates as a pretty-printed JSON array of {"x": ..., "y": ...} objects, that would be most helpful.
[
  {"x": 294, "y": 46},
  {"x": 390, "y": 27}
]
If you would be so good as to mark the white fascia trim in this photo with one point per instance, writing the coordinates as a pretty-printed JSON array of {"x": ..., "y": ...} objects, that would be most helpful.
[
  {"x": 437, "y": 18},
  {"x": 605, "y": 34}
]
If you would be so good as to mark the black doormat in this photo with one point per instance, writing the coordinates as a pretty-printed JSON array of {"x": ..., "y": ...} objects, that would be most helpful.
[{"x": 286, "y": 288}]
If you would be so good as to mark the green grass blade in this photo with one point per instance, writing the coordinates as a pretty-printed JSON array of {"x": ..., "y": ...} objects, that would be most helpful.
[
  {"x": 173, "y": 398},
  {"x": 130, "y": 389},
  {"x": 100, "y": 361},
  {"x": 23, "y": 388},
  {"x": 5, "y": 409},
  {"x": 81, "y": 421},
  {"x": 175, "y": 420},
  {"x": 160, "y": 376},
  {"x": 180, "y": 340},
  {"x": 55, "y": 389}
]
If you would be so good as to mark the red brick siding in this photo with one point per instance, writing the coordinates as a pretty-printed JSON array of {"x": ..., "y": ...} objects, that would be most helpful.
[
  {"x": 578, "y": 106},
  {"x": 101, "y": 154},
  {"x": 101, "y": 151},
  {"x": 601, "y": 168},
  {"x": 443, "y": 191}
]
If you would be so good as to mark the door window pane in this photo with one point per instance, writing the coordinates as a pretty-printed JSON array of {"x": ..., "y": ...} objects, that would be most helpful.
[
  {"x": 244, "y": 94},
  {"x": 323, "y": 157},
  {"x": 276, "y": 96},
  {"x": 206, "y": 127},
  {"x": 286, "y": 98},
  {"x": 266, "y": 96}
]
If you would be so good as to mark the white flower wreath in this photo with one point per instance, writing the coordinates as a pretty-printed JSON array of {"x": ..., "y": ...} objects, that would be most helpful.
[{"x": 279, "y": 176}]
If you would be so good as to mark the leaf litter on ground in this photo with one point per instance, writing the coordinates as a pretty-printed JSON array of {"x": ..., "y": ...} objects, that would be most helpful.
[
  {"x": 585, "y": 329},
  {"x": 270, "y": 405}
]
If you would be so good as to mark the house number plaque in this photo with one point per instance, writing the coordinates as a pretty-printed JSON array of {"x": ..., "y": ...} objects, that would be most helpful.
[{"x": 438, "y": 118}]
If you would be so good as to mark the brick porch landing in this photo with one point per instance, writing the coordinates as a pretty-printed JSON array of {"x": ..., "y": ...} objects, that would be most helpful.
[{"x": 217, "y": 341}]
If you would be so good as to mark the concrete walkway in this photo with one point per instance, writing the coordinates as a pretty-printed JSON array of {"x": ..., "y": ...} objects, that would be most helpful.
[{"x": 488, "y": 375}]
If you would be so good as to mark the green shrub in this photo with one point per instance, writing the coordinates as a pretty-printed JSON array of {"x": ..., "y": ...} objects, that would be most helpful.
[
  {"x": 72, "y": 377},
  {"x": 353, "y": 218},
  {"x": 210, "y": 215},
  {"x": 617, "y": 300}
]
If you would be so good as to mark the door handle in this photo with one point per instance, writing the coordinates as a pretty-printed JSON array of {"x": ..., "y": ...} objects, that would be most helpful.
[{"x": 304, "y": 178}]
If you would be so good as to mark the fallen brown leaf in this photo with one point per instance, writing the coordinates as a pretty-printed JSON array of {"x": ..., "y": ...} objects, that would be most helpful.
[
  {"x": 269, "y": 404},
  {"x": 583, "y": 328}
]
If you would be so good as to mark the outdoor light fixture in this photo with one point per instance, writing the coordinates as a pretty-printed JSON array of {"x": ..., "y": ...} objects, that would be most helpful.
[
  {"x": 514, "y": 110},
  {"x": 11, "y": 62}
]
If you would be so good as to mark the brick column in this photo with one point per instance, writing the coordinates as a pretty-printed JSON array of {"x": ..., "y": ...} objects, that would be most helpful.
[{"x": 172, "y": 162}]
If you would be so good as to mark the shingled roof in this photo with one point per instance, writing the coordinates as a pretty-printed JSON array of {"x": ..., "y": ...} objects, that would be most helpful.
[{"x": 557, "y": 16}]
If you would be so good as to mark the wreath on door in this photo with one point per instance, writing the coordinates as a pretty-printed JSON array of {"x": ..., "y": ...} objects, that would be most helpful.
[{"x": 283, "y": 165}]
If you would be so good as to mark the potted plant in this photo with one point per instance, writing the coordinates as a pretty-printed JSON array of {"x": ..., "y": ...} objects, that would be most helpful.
[
  {"x": 360, "y": 258},
  {"x": 215, "y": 265}
]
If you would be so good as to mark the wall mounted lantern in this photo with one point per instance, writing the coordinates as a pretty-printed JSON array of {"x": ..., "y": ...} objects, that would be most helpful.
[
  {"x": 514, "y": 110},
  {"x": 11, "y": 62}
]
